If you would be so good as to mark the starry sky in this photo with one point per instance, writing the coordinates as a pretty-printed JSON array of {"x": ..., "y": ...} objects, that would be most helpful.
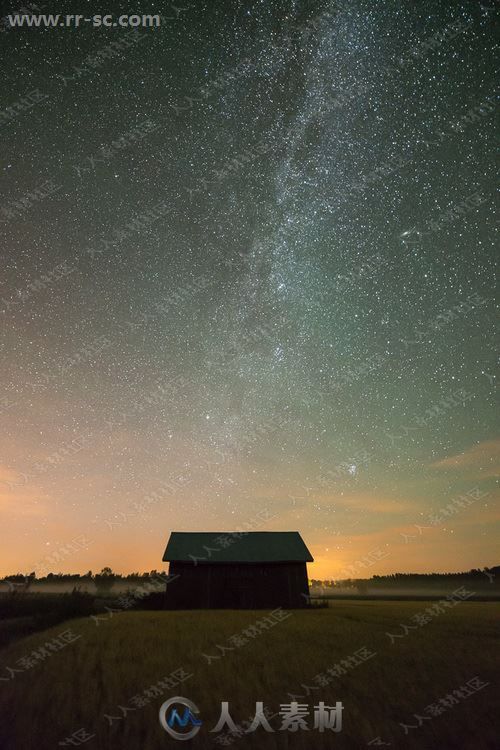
[{"x": 248, "y": 283}]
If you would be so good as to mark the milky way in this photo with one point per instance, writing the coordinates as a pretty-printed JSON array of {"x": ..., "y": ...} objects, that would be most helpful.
[{"x": 248, "y": 264}]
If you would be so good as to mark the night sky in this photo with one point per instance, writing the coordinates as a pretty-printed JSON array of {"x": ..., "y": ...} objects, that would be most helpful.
[{"x": 248, "y": 283}]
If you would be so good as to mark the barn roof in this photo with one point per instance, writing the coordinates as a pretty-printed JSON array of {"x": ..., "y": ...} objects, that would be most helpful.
[{"x": 236, "y": 546}]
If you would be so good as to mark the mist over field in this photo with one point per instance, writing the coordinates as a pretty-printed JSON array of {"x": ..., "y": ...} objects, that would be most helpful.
[{"x": 250, "y": 448}]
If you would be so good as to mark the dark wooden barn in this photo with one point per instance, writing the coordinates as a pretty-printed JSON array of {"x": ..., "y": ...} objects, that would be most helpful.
[{"x": 239, "y": 570}]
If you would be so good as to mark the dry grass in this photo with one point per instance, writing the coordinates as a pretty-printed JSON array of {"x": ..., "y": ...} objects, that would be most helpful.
[{"x": 127, "y": 654}]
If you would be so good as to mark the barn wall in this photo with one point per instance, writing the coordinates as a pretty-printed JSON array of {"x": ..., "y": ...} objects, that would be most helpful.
[{"x": 237, "y": 585}]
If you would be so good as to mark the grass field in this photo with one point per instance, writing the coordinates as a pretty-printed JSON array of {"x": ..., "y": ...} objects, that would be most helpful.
[{"x": 120, "y": 661}]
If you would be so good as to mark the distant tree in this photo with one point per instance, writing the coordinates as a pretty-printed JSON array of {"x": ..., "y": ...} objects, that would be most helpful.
[
  {"x": 20, "y": 584},
  {"x": 104, "y": 580},
  {"x": 362, "y": 587}
]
